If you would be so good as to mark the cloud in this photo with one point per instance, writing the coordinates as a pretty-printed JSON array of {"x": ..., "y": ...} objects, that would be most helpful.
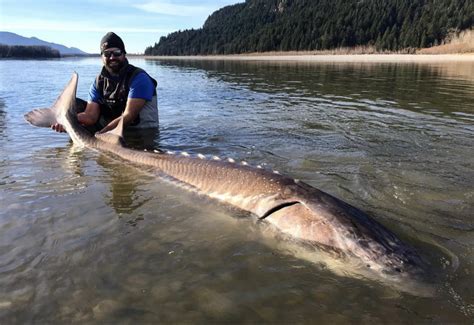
[{"x": 166, "y": 8}]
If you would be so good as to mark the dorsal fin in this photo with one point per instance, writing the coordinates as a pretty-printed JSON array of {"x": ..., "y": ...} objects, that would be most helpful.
[
  {"x": 45, "y": 117},
  {"x": 114, "y": 136}
]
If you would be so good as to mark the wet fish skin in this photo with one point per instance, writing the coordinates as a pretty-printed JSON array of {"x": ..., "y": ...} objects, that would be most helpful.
[{"x": 294, "y": 208}]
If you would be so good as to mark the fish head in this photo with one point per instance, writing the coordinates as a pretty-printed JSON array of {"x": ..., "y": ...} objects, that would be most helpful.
[{"x": 345, "y": 233}]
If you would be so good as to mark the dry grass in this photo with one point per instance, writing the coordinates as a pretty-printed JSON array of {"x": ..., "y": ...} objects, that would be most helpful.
[
  {"x": 339, "y": 51},
  {"x": 285, "y": 57},
  {"x": 358, "y": 50},
  {"x": 455, "y": 44}
]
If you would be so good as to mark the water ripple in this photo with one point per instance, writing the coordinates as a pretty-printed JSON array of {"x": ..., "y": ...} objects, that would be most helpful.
[{"x": 87, "y": 238}]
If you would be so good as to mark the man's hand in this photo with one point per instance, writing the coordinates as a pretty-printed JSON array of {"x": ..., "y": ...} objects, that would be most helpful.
[
  {"x": 58, "y": 127},
  {"x": 87, "y": 118},
  {"x": 132, "y": 110}
]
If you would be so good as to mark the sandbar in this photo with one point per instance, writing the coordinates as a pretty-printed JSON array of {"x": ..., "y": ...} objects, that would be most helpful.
[{"x": 469, "y": 57}]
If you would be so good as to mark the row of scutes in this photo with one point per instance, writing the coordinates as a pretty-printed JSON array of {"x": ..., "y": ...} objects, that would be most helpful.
[{"x": 201, "y": 156}]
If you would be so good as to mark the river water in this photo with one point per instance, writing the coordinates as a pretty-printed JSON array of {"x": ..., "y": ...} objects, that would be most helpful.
[{"x": 88, "y": 238}]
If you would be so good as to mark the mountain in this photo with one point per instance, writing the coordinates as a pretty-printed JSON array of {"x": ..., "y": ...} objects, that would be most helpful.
[
  {"x": 10, "y": 39},
  {"x": 306, "y": 25}
]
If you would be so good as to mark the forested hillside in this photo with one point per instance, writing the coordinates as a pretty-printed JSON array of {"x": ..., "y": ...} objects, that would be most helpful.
[
  {"x": 18, "y": 51},
  {"x": 305, "y": 25}
]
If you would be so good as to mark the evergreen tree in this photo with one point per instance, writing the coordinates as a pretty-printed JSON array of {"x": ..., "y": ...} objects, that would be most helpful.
[{"x": 288, "y": 25}]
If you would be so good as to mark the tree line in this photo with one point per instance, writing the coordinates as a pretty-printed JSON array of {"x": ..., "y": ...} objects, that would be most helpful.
[
  {"x": 20, "y": 51},
  {"x": 306, "y": 25}
]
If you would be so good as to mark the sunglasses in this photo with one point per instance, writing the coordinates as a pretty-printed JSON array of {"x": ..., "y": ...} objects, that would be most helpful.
[{"x": 115, "y": 53}]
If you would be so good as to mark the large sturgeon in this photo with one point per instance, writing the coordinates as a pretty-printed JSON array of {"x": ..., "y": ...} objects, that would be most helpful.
[{"x": 296, "y": 209}]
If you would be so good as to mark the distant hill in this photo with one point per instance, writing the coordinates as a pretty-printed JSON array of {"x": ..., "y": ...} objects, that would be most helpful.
[
  {"x": 11, "y": 39},
  {"x": 27, "y": 52},
  {"x": 308, "y": 25}
]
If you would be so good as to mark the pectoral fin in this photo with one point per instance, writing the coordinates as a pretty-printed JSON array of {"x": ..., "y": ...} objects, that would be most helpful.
[{"x": 114, "y": 136}]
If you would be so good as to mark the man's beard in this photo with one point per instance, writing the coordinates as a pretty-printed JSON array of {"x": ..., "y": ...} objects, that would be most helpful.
[{"x": 115, "y": 69}]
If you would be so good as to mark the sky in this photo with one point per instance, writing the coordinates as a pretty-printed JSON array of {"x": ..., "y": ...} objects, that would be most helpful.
[{"x": 82, "y": 23}]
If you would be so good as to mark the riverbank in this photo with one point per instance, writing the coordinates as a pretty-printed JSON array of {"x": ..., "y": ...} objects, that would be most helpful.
[{"x": 305, "y": 57}]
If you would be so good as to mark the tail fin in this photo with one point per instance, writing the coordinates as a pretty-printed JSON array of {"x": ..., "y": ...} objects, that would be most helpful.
[
  {"x": 45, "y": 117},
  {"x": 42, "y": 117}
]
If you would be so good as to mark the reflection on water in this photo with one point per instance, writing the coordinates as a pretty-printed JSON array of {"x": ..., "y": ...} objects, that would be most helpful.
[
  {"x": 88, "y": 238},
  {"x": 123, "y": 196},
  {"x": 348, "y": 83},
  {"x": 3, "y": 117},
  {"x": 143, "y": 139}
]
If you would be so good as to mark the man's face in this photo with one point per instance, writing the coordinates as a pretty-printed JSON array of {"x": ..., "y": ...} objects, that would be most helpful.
[{"x": 113, "y": 59}]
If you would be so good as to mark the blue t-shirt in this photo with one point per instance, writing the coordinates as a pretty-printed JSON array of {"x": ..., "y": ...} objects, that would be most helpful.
[{"x": 141, "y": 86}]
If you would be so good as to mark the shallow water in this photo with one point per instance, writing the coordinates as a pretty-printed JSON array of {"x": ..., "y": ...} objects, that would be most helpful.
[{"x": 87, "y": 238}]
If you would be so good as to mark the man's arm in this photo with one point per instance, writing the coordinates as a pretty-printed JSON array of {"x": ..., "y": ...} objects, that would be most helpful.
[
  {"x": 141, "y": 91},
  {"x": 91, "y": 114},
  {"x": 89, "y": 117},
  {"x": 131, "y": 112}
]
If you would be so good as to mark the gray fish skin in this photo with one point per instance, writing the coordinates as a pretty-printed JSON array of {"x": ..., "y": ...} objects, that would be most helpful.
[{"x": 294, "y": 208}]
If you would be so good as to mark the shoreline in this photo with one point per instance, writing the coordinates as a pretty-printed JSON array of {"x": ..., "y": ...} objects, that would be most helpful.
[{"x": 356, "y": 58}]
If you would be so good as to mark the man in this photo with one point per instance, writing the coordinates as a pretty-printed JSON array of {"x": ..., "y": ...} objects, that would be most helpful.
[{"x": 119, "y": 90}]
